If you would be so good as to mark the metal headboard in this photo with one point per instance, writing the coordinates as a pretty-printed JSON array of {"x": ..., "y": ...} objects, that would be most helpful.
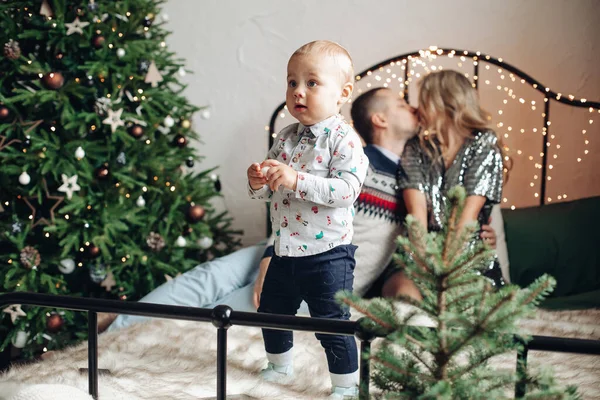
[{"x": 478, "y": 59}]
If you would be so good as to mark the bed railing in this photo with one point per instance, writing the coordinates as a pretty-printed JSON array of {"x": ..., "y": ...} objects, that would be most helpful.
[{"x": 223, "y": 317}]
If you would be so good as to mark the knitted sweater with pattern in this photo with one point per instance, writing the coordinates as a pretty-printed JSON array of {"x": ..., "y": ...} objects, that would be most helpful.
[{"x": 378, "y": 221}]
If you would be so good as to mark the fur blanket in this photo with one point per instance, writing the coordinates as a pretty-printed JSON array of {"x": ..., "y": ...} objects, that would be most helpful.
[{"x": 177, "y": 360}]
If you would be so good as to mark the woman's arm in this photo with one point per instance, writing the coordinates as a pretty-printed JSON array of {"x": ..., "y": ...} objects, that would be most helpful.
[
  {"x": 473, "y": 205},
  {"x": 416, "y": 205}
]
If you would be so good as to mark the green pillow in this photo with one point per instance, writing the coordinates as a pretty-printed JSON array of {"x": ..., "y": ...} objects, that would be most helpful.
[{"x": 561, "y": 239}]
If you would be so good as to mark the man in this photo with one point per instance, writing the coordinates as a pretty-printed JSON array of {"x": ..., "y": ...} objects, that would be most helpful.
[{"x": 385, "y": 121}]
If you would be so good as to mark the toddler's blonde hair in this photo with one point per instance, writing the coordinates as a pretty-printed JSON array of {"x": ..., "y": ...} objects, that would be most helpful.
[{"x": 331, "y": 49}]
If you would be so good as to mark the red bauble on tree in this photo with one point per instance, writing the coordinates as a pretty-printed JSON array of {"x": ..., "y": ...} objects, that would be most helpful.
[
  {"x": 98, "y": 41},
  {"x": 92, "y": 251},
  {"x": 54, "y": 323},
  {"x": 102, "y": 173},
  {"x": 136, "y": 130},
  {"x": 187, "y": 230},
  {"x": 53, "y": 80},
  {"x": 180, "y": 141},
  {"x": 4, "y": 112},
  {"x": 195, "y": 213}
]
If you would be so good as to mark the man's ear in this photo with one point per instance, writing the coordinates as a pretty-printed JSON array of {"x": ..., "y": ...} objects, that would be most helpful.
[
  {"x": 379, "y": 120},
  {"x": 346, "y": 93}
]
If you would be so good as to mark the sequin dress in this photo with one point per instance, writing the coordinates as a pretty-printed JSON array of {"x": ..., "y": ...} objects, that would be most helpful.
[{"x": 477, "y": 167}]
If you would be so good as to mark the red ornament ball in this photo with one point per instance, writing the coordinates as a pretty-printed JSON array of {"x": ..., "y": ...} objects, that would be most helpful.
[
  {"x": 4, "y": 112},
  {"x": 53, "y": 80},
  {"x": 102, "y": 173},
  {"x": 92, "y": 251},
  {"x": 180, "y": 141},
  {"x": 195, "y": 213},
  {"x": 54, "y": 323},
  {"x": 98, "y": 41},
  {"x": 136, "y": 130},
  {"x": 187, "y": 230}
]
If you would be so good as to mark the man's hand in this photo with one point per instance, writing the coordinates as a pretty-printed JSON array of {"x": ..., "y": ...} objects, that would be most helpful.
[
  {"x": 280, "y": 175},
  {"x": 488, "y": 235},
  {"x": 260, "y": 280},
  {"x": 256, "y": 177}
]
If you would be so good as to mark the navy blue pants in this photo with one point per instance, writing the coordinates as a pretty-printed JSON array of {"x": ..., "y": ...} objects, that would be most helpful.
[{"x": 315, "y": 279}]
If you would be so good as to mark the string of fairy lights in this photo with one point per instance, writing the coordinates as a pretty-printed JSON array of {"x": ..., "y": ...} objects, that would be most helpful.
[{"x": 400, "y": 73}]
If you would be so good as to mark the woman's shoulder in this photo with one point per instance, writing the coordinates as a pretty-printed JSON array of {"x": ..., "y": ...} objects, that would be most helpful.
[{"x": 483, "y": 137}]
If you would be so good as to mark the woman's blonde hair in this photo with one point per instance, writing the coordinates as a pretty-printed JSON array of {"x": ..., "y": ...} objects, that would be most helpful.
[{"x": 448, "y": 101}]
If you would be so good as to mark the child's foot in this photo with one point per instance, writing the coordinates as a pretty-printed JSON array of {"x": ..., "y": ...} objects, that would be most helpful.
[
  {"x": 277, "y": 373},
  {"x": 344, "y": 393}
]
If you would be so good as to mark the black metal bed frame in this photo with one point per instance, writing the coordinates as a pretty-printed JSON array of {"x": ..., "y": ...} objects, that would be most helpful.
[{"x": 223, "y": 317}]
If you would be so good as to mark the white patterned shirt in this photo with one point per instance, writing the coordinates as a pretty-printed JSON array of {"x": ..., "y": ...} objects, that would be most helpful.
[{"x": 331, "y": 169}]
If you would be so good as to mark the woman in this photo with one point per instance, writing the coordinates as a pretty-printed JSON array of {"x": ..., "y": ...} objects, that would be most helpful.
[{"x": 454, "y": 147}]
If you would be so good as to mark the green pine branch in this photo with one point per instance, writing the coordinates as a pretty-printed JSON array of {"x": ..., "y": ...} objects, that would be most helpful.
[{"x": 473, "y": 322}]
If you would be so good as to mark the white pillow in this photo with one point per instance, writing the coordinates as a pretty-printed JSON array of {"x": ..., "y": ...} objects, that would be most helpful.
[{"x": 501, "y": 248}]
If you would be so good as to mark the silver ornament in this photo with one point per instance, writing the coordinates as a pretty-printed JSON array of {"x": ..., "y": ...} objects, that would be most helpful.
[
  {"x": 66, "y": 266},
  {"x": 120, "y": 53},
  {"x": 181, "y": 242},
  {"x": 16, "y": 227},
  {"x": 169, "y": 121},
  {"x": 140, "y": 202},
  {"x": 205, "y": 242},
  {"x": 121, "y": 158},
  {"x": 79, "y": 153},
  {"x": 98, "y": 273},
  {"x": 20, "y": 339}
]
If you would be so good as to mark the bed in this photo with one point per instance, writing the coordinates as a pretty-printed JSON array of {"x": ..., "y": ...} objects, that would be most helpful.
[{"x": 167, "y": 359}]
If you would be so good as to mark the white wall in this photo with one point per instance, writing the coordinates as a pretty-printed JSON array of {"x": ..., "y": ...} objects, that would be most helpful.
[{"x": 239, "y": 50}]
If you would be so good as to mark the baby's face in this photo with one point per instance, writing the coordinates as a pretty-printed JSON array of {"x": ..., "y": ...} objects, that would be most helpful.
[{"x": 315, "y": 88}]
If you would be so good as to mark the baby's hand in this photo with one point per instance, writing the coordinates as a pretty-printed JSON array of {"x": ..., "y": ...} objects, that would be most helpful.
[
  {"x": 255, "y": 177},
  {"x": 280, "y": 175}
]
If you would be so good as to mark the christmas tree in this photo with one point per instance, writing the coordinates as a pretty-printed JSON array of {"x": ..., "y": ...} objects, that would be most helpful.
[
  {"x": 473, "y": 322},
  {"x": 97, "y": 193}
]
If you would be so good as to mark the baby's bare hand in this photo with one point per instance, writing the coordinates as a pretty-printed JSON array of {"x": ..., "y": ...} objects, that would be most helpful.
[
  {"x": 255, "y": 177},
  {"x": 281, "y": 175}
]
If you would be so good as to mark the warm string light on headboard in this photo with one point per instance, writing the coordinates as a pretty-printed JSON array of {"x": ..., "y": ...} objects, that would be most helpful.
[
  {"x": 545, "y": 129},
  {"x": 400, "y": 73}
]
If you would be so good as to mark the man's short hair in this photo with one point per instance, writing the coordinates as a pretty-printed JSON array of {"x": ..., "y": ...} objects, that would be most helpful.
[
  {"x": 361, "y": 112},
  {"x": 331, "y": 49}
]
